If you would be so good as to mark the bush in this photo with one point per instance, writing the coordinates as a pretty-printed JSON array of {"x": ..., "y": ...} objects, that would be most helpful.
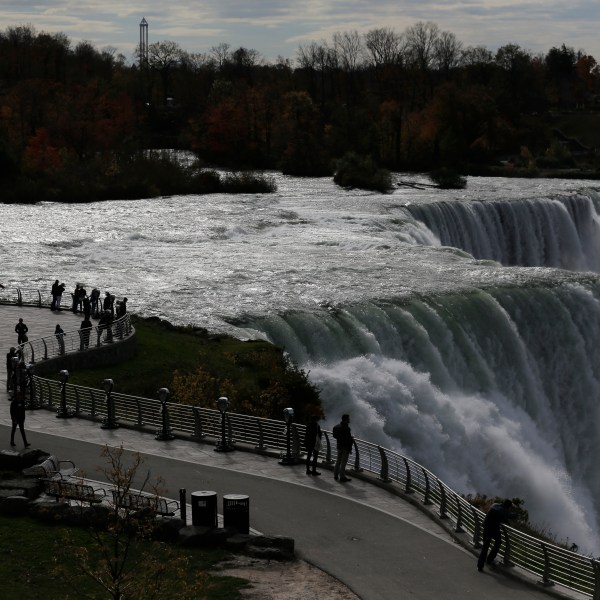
[
  {"x": 448, "y": 179},
  {"x": 354, "y": 171}
]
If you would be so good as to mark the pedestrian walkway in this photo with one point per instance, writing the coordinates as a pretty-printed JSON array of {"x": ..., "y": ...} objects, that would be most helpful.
[{"x": 379, "y": 545}]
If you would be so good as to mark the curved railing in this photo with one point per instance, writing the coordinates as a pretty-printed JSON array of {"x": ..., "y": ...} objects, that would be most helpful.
[
  {"x": 550, "y": 563},
  {"x": 23, "y": 297},
  {"x": 76, "y": 340}
]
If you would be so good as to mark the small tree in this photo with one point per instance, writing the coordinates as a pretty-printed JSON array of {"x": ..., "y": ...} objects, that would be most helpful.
[{"x": 123, "y": 557}]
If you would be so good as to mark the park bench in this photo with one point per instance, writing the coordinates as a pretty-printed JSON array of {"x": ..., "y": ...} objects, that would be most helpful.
[
  {"x": 52, "y": 468},
  {"x": 73, "y": 490},
  {"x": 137, "y": 501}
]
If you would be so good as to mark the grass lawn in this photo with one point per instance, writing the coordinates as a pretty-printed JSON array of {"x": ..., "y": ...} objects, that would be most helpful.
[
  {"x": 30, "y": 551},
  {"x": 255, "y": 375}
]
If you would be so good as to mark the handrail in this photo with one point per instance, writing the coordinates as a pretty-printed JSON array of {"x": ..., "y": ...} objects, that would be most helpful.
[
  {"x": 552, "y": 564},
  {"x": 76, "y": 340}
]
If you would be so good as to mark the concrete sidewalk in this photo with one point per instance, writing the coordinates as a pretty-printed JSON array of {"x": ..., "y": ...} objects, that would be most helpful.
[{"x": 380, "y": 546}]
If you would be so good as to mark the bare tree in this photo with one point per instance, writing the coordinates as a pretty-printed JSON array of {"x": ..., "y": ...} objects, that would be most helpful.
[
  {"x": 221, "y": 54},
  {"x": 421, "y": 40},
  {"x": 348, "y": 48},
  {"x": 383, "y": 46},
  {"x": 447, "y": 51},
  {"x": 476, "y": 55}
]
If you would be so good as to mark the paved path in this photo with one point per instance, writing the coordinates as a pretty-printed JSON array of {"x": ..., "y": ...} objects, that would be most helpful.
[{"x": 380, "y": 546}]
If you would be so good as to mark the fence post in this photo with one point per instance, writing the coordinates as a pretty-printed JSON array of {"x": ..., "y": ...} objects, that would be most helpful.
[
  {"x": 459, "y": 515},
  {"x": 197, "y": 423},
  {"x": 357, "y": 466},
  {"x": 442, "y": 513},
  {"x": 384, "y": 473},
  {"x": 546, "y": 581},
  {"x": 507, "y": 549},
  {"x": 39, "y": 299},
  {"x": 596, "y": 569},
  {"x": 477, "y": 528},
  {"x": 45, "y": 350},
  {"x": 328, "y": 458},
  {"x": 426, "y": 499},
  {"x": 407, "y": 487},
  {"x": 261, "y": 436}
]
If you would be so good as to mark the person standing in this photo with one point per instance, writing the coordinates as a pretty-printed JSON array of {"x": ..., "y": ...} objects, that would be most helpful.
[
  {"x": 59, "y": 292},
  {"x": 343, "y": 435},
  {"x": 54, "y": 291},
  {"x": 495, "y": 516},
  {"x": 60, "y": 338},
  {"x": 17, "y": 405},
  {"x": 95, "y": 298},
  {"x": 312, "y": 443},
  {"x": 9, "y": 367},
  {"x": 84, "y": 332},
  {"x": 21, "y": 330}
]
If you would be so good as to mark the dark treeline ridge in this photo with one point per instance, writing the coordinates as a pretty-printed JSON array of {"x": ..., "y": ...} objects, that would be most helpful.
[{"x": 77, "y": 122}]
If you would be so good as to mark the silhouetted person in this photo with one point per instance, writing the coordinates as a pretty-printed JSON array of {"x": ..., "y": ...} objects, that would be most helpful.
[
  {"x": 84, "y": 331},
  {"x": 87, "y": 307},
  {"x": 60, "y": 338},
  {"x": 54, "y": 292},
  {"x": 9, "y": 367},
  {"x": 17, "y": 406},
  {"x": 343, "y": 435},
  {"x": 312, "y": 444},
  {"x": 496, "y": 515},
  {"x": 122, "y": 308},
  {"x": 95, "y": 300},
  {"x": 105, "y": 323},
  {"x": 59, "y": 292},
  {"x": 21, "y": 330}
]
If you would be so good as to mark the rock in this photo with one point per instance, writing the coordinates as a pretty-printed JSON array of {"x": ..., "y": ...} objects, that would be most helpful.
[
  {"x": 167, "y": 530},
  {"x": 14, "y": 506},
  {"x": 200, "y": 536},
  {"x": 49, "y": 511}
]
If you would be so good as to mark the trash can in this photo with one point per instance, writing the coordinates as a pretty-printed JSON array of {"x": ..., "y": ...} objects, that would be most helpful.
[
  {"x": 204, "y": 508},
  {"x": 236, "y": 512}
]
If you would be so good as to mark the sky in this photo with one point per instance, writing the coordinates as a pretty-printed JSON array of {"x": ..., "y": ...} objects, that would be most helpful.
[{"x": 278, "y": 27}]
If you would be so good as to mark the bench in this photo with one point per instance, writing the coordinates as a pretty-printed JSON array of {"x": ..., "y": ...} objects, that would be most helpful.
[
  {"x": 132, "y": 501},
  {"x": 52, "y": 468},
  {"x": 73, "y": 490}
]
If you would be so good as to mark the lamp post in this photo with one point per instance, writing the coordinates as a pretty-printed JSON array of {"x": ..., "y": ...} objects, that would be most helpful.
[
  {"x": 110, "y": 422},
  {"x": 288, "y": 459},
  {"x": 64, "y": 412},
  {"x": 165, "y": 433},
  {"x": 223, "y": 445}
]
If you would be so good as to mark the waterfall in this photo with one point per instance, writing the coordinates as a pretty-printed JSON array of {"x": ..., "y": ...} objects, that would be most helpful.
[
  {"x": 559, "y": 232},
  {"x": 496, "y": 391}
]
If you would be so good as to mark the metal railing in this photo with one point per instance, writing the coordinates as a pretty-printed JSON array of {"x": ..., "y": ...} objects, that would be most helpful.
[
  {"x": 23, "y": 297},
  {"x": 550, "y": 563},
  {"x": 76, "y": 340}
]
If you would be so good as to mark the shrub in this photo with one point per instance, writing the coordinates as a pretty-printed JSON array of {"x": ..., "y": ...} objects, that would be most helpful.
[{"x": 354, "y": 171}]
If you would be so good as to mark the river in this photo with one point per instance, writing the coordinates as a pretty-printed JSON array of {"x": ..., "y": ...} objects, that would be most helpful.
[{"x": 459, "y": 327}]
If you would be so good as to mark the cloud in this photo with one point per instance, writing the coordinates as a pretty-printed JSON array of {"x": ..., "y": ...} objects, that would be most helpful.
[{"x": 278, "y": 27}]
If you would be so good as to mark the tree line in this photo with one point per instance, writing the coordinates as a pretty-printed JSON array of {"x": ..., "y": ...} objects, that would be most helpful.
[{"x": 414, "y": 100}]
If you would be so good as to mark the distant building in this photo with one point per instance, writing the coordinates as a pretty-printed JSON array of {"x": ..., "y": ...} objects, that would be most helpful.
[{"x": 143, "y": 42}]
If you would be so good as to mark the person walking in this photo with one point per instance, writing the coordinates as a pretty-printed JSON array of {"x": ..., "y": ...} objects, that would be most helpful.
[
  {"x": 17, "y": 405},
  {"x": 312, "y": 444},
  {"x": 498, "y": 514},
  {"x": 21, "y": 330},
  {"x": 343, "y": 435}
]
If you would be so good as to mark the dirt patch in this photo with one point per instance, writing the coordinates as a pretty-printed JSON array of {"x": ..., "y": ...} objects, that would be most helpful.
[{"x": 297, "y": 580}]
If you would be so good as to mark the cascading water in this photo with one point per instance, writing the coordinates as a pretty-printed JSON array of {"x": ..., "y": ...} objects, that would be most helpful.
[
  {"x": 552, "y": 232},
  {"x": 486, "y": 374},
  {"x": 495, "y": 390}
]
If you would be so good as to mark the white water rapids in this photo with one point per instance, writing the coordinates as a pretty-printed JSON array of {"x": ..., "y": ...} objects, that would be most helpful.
[{"x": 488, "y": 374}]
